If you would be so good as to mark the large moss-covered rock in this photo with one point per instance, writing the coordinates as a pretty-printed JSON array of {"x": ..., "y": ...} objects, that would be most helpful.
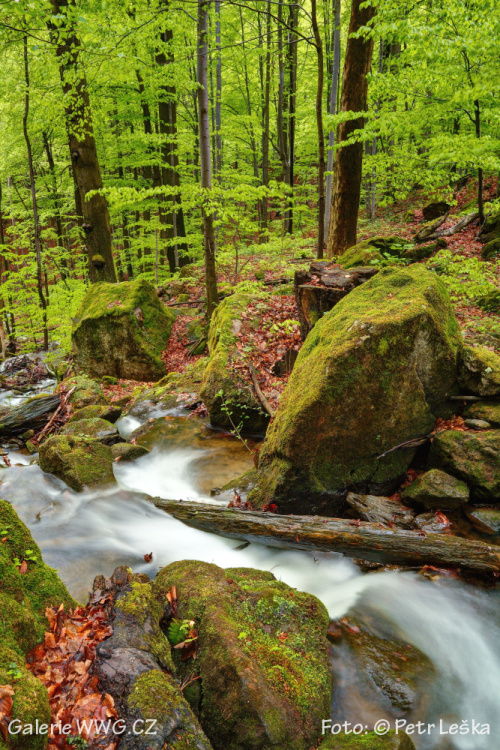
[
  {"x": 262, "y": 656},
  {"x": 490, "y": 301},
  {"x": 375, "y": 372},
  {"x": 473, "y": 457},
  {"x": 227, "y": 388},
  {"x": 127, "y": 452},
  {"x": 122, "y": 330},
  {"x": 480, "y": 371},
  {"x": 97, "y": 429},
  {"x": 80, "y": 462},
  {"x": 436, "y": 490},
  {"x": 23, "y": 600},
  {"x": 420, "y": 252},
  {"x": 368, "y": 741},
  {"x": 491, "y": 249},
  {"x": 85, "y": 391}
]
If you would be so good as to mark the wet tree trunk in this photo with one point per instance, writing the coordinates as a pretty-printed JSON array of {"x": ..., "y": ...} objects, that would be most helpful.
[
  {"x": 361, "y": 539},
  {"x": 349, "y": 163},
  {"x": 82, "y": 146},
  {"x": 206, "y": 177}
]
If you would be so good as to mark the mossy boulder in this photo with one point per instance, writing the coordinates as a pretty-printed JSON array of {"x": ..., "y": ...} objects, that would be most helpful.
[
  {"x": 109, "y": 413},
  {"x": 127, "y": 451},
  {"x": 30, "y": 702},
  {"x": 491, "y": 224},
  {"x": 480, "y": 371},
  {"x": 373, "y": 251},
  {"x": 436, "y": 490},
  {"x": 226, "y": 388},
  {"x": 420, "y": 252},
  {"x": 374, "y": 372},
  {"x": 491, "y": 249},
  {"x": 121, "y": 330},
  {"x": 79, "y": 461},
  {"x": 491, "y": 301},
  {"x": 368, "y": 741},
  {"x": 86, "y": 392},
  {"x": 97, "y": 429},
  {"x": 489, "y": 411},
  {"x": 262, "y": 656},
  {"x": 473, "y": 457},
  {"x": 172, "y": 392},
  {"x": 24, "y": 598}
]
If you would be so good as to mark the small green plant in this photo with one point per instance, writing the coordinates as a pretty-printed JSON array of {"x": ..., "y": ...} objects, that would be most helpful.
[
  {"x": 287, "y": 327},
  {"x": 77, "y": 741},
  {"x": 181, "y": 632},
  {"x": 14, "y": 671}
]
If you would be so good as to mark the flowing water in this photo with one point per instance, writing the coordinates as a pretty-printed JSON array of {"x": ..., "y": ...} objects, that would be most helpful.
[{"x": 83, "y": 534}]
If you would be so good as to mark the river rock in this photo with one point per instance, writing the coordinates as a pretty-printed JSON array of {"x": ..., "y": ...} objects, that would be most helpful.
[
  {"x": 383, "y": 666},
  {"x": 97, "y": 429},
  {"x": 262, "y": 656},
  {"x": 24, "y": 598},
  {"x": 109, "y": 413},
  {"x": 473, "y": 457},
  {"x": 480, "y": 371},
  {"x": 86, "y": 392},
  {"x": 368, "y": 741},
  {"x": 486, "y": 520},
  {"x": 175, "y": 391},
  {"x": 80, "y": 462},
  {"x": 477, "y": 424},
  {"x": 373, "y": 373},
  {"x": 380, "y": 509},
  {"x": 135, "y": 666},
  {"x": 122, "y": 330},
  {"x": 436, "y": 490},
  {"x": 127, "y": 452},
  {"x": 432, "y": 523},
  {"x": 489, "y": 411},
  {"x": 226, "y": 388}
]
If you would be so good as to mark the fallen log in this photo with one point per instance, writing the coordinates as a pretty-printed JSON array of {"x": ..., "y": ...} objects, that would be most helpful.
[
  {"x": 369, "y": 541},
  {"x": 455, "y": 229},
  {"x": 31, "y": 414}
]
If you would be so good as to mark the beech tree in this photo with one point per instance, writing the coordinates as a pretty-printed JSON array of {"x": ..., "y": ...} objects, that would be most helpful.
[{"x": 346, "y": 191}]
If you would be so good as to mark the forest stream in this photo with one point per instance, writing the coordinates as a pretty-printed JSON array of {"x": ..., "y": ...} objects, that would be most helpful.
[{"x": 83, "y": 534}]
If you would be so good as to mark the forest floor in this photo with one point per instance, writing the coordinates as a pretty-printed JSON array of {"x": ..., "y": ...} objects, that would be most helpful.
[{"x": 271, "y": 267}]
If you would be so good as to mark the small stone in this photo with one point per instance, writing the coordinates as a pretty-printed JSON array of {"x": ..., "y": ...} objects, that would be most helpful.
[
  {"x": 477, "y": 424},
  {"x": 487, "y": 411},
  {"x": 486, "y": 520},
  {"x": 432, "y": 523},
  {"x": 480, "y": 372},
  {"x": 127, "y": 452},
  {"x": 437, "y": 490}
]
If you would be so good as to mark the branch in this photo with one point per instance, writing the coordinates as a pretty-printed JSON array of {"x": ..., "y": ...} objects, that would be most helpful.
[{"x": 263, "y": 400}]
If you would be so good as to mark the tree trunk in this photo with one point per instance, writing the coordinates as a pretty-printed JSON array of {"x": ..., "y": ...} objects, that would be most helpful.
[
  {"x": 263, "y": 237},
  {"x": 333, "y": 111},
  {"x": 349, "y": 163},
  {"x": 206, "y": 177},
  {"x": 361, "y": 539},
  {"x": 167, "y": 112},
  {"x": 36, "y": 228},
  {"x": 321, "y": 136},
  {"x": 82, "y": 146},
  {"x": 292, "y": 100},
  {"x": 57, "y": 203},
  {"x": 218, "y": 92},
  {"x": 480, "y": 200}
]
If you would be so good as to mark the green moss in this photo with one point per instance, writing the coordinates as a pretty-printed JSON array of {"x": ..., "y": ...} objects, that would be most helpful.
[
  {"x": 368, "y": 741},
  {"x": 95, "y": 428},
  {"x": 263, "y": 655},
  {"x": 480, "y": 371},
  {"x": 30, "y": 701},
  {"x": 486, "y": 410},
  {"x": 473, "y": 458},
  {"x": 86, "y": 391},
  {"x": 362, "y": 254},
  {"x": 24, "y": 597},
  {"x": 140, "y": 604},
  {"x": 374, "y": 372},
  {"x": 225, "y": 390},
  {"x": 79, "y": 461},
  {"x": 121, "y": 330}
]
